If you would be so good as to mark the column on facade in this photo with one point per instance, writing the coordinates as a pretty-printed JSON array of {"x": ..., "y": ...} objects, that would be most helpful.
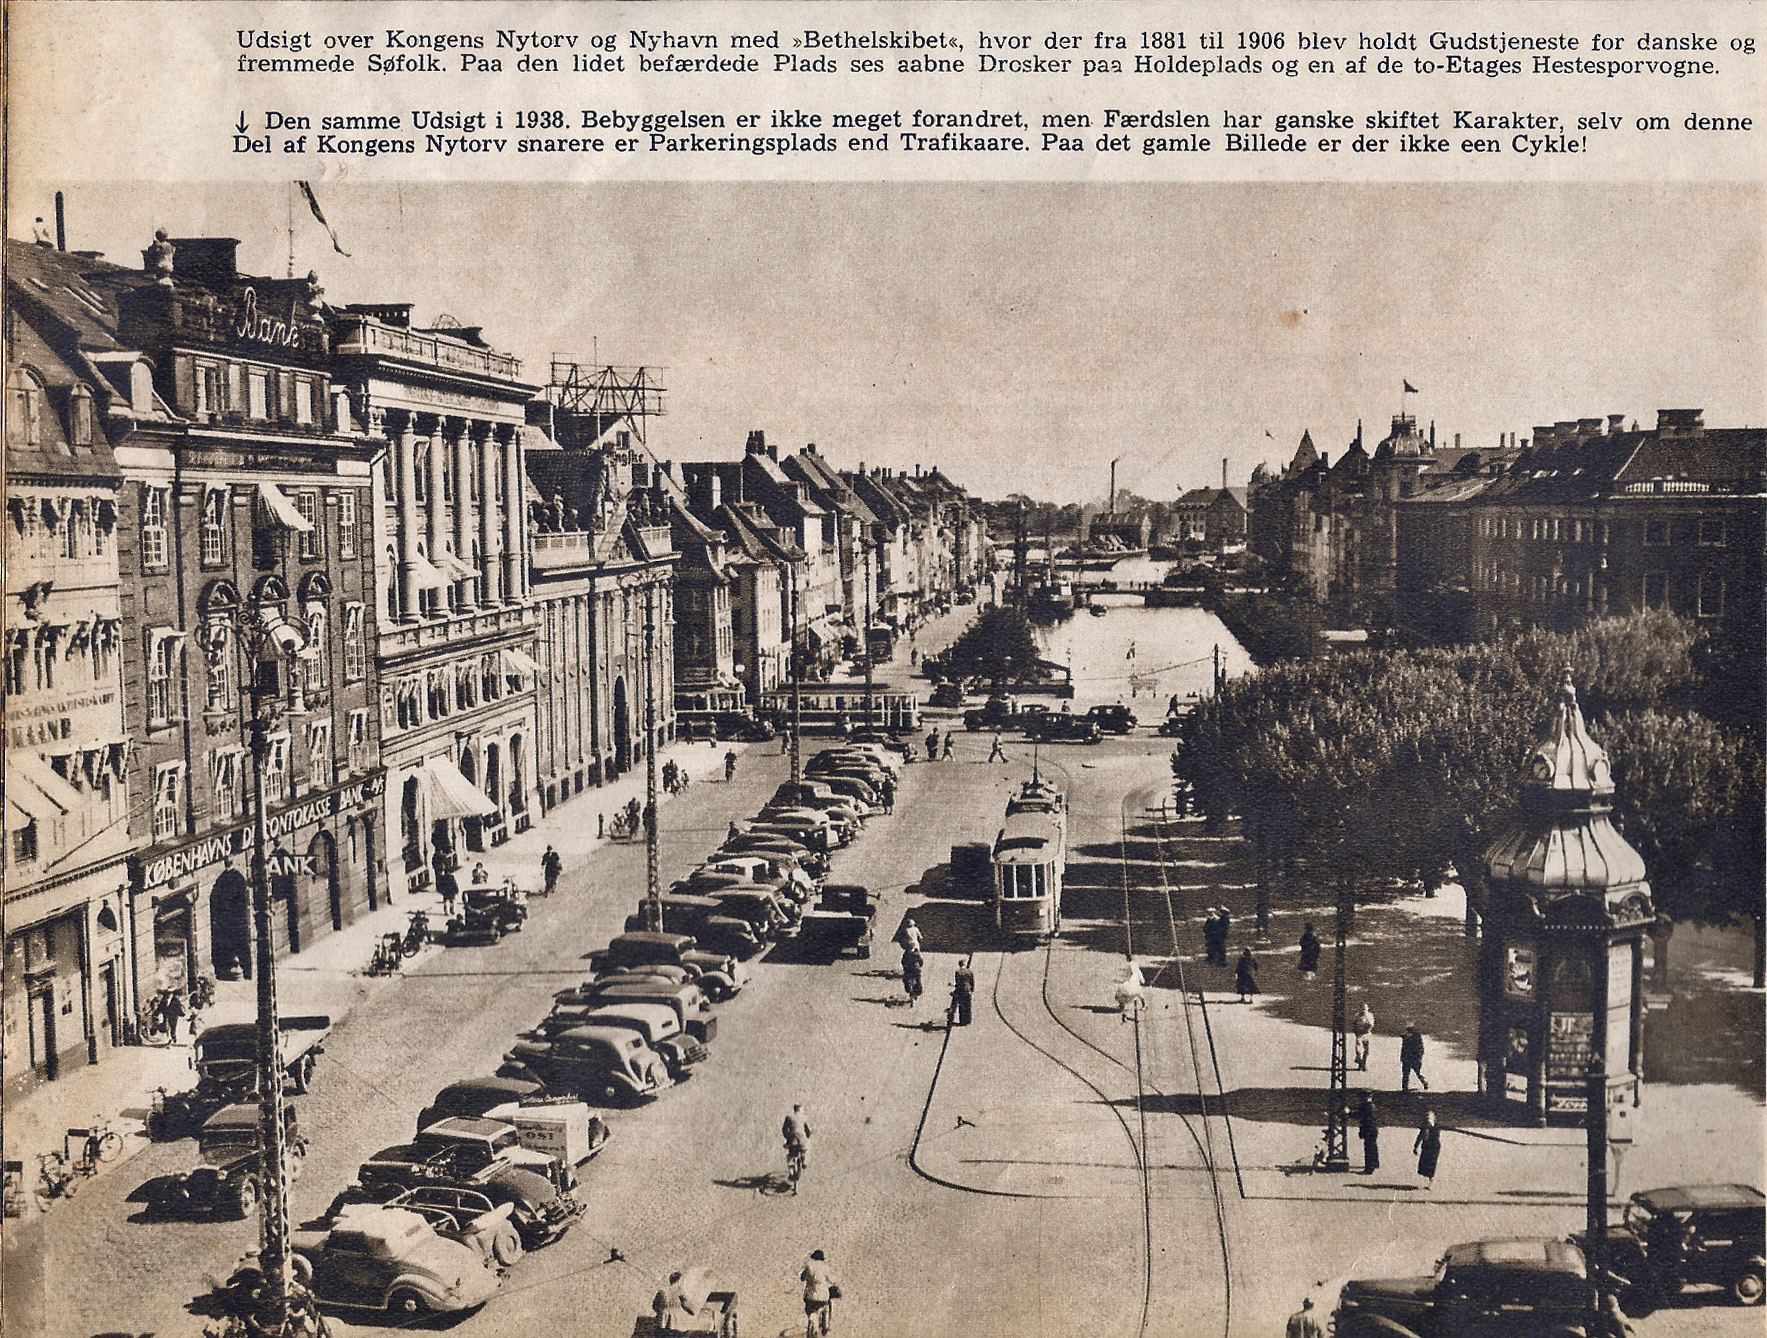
[
  {"x": 429, "y": 425},
  {"x": 490, "y": 545},
  {"x": 515, "y": 574},
  {"x": 460, "y": 432},
  {"x": 405, "y": 461}
]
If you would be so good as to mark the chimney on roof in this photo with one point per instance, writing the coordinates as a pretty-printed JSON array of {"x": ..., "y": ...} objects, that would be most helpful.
[
  {"x": 917, "y": 469},
  {"x": 1673, "y": 422},
  {"x": 1613, "y": 422},
  {"x": 1457, "y": 441},
  {"x": 207, "y": 260},
  {"x": 757, "y": 443},
  {"x": 1432, "y": 434},
  {"x": 60, "y": 222},
  {"x": 1223, "y": 478},
  {"x": 810, "y": 448}
]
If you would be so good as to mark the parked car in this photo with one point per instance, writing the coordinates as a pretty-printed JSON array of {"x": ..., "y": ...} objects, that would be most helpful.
[
  {"x": 1000, "y": 710},
  {"x": 946, "y": 697},
  {"x": 887, "y": 757},
  {"x": 464, "y": 1215},
  {"x": 1519, "y": 1287},
  {"x": 856, "y": 788},
  {"x": 830, "y": 933},
  {"x": 813, "y": 862},
  {"x": 771, "y": 915},
  {"x": 818, "y": 826},
  {"x": 393, "y": 1260},
  {"x": 704, "y": 918},
  {"x": 487, "y": 914},
  {"x": 487, "y": 1142},
  {"x": 598, "y": 1063},
  {"x": 779, "y": 872},
  {"x": 719, "y": 974},
  {"x": 1062, "y": 727},
  {"x": 226, "y": 1181},
  {"x": 226, "y": 1054},
  {"x": 660, "y": 1026},
  {"x": 1112, "y": 719},
  {"x": 474, "y": 1096},
  {"x": 1689, "y": 1235},
  {"x": 686, "y": 999}
]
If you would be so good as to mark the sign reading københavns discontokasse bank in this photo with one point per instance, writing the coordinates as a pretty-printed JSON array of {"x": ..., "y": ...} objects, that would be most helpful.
[{"x": 238, "y": 840}]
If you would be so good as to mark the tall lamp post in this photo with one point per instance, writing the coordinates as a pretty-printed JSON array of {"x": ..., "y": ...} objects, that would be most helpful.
[
  {"x": 270, "y": 642},
  {"x": 653, "y": 905},
  {"x": 797, "y": 673}
]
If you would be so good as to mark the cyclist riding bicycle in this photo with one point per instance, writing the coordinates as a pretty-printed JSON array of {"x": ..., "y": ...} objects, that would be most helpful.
[{"x": 796, "y": 1131}]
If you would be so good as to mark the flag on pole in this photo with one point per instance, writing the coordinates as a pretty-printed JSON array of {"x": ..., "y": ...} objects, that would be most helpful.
[
  {"x": 1409, "y": 388},
  {"x": 318, "y": 213}
]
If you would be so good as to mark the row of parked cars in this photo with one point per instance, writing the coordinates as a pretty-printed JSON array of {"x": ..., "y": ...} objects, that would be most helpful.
[{"x": 430, "y": 1225}]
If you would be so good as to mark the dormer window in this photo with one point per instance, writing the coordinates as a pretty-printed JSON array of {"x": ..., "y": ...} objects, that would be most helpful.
[
  {"x": 140, "y": 387},
  {"x": 81, "y": 427},
  {"x": 25, "y": 409}
]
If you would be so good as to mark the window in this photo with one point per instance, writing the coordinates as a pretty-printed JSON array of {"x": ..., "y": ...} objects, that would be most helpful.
[
  {"x": 303, "y": 401},
  {"x": 211, "y": 394},
  {"x": 214, "y": 527},
  {"x": 355, "y": 662},
  {"x": 316, "y": 647},
  {"x": 25, "y": 402},
  {"x": 1656, "y": 532},
  {"x": 258, "y": 397},
  {"x": 165, "y": 652},
  {"x": 227, "y": 772},
  {"x": 168, "y": 801},
  {"x": 276, "y": 769},
  {"x": 346, "y": 524},
  {"x": 79, "y": 414},
  {"x": 219, "y": 655},
  {"x": 1656, "y": 590},
  {"x": 319, "y": 766},
  {"x": 153, "y": 526},
  {"x": 358, "y": 741},
  {"x": 420, "y": 473},
  {"x": 1711, "y": 595},
  {"x": 24, "y": 842},
  {"x": 1712, "y": 533},
  {"x": 447, "y": 449},
  {"x": 489, "y": 678},
  {"x": 313, "y": 512},
  {"x": 473, "y": 454},
  {"x": 463, "y": 689},
  {"x": 73, "y": 531},
  {"x": 18, "y": 656}
]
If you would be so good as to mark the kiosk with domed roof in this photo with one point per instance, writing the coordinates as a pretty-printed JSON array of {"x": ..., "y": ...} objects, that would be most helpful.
[{"x": 1568, "y": 908}]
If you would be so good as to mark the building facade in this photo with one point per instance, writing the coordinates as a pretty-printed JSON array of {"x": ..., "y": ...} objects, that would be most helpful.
[
  {"x": 245, "y": 500},
  {"x": 449, "y": 543},
  {"x": 68, "y": 988}
]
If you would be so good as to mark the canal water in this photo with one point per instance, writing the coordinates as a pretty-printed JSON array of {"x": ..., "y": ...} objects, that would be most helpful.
[{"x": 1140, "y": 656}]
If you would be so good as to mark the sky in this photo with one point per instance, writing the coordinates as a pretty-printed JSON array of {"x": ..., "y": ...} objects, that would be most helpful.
[{"x": 1021, "y": 336}]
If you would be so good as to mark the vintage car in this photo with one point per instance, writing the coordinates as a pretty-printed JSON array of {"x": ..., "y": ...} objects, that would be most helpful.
[
  {"x": 1000, "y": 711},
  {"x": 487, "y": 914},
  {"x": 947, "y": 697},
  {"x": 1112, "y": 719},
  {"x": 815, "y": 828},
  {"x": 769, "y": 914},
  {"x": 687, "y": 999},
  {"x": 779, "y": 872},
  {"x": 886, "y": 759},
  {"x": 227, "y": 1182},
  {"x": 830, "y": 933},
  {"x": 814, "y": 792},
  {"x": 661, "y": 1028},
  {"x": 718, "y": 974},
  {"x": 474, "y": 1096},
  {"x": 795, "y": 800},
  {"x": 391, "y": 1259},
  {"x": 1687, "y": 1236},
  {"x": 597, "y": 1063},
  {"x": 1519, "y": 1287},
  {"x": 856, "y": 786},
  {"x": 540, "y": 1211},
  {"x": 707, "y": 920},
  {"x": 465, "y": 1215},
  {"x": 814, "y": 863},
  {"x": 1062, "y": 727}
]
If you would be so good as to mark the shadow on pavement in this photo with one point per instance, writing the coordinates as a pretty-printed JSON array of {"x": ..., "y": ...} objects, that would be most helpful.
[{"x": 1398, "y": 1112}]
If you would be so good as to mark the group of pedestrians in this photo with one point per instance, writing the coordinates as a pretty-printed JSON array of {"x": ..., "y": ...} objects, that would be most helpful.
[
  {"x": 963, "y": 982},
  {"x": 1426, "y": 1147},
  {"x": 937, "y": 751},
  {"x": 677, "y": 1300}
]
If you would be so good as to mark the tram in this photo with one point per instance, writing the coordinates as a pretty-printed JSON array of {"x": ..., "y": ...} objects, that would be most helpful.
[
  {"x": 822, "y": 707},
  {"x": 1030, "y": 857}
]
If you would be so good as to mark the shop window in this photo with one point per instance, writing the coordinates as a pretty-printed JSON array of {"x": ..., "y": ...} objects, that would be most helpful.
[
  {"x": 168, "y": 801},
  {"x": 312, "y": 544},
  {"x": 346, "y": 524},
  {"x": 153, "y": 527},
  {"x": 1711, "y": 595},
  {"x": 214, "y": 527},
  {"x": 1712, "y": 533}
]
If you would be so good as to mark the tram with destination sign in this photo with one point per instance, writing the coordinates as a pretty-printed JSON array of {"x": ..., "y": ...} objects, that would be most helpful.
[
  {"x": 827, "y": 708},
  {"x": 1030, "y": 857}
]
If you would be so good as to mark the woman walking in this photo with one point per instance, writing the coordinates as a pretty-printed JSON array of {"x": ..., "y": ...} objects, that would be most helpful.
[
  {"x": 1368, "y": 1130},
  {"x": 912, "y": 962},
  {"x": 1428, "y": 1147},
  {"x": 1245, "y": 976}
]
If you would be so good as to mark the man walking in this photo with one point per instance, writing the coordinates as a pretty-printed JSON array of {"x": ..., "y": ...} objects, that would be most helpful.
[
  {"x": 950, "y": 748},
  {"x": 550, "y": 867},
  {"x": 1411, "y": 1060},
  {"x": 820, "y": 1288},
  {"x": 1364, "y": 1029},
  {"x": 963, "y": 989},
  {"x": 909, "y": 934},
  {"x": 932, "y": 745},
  {"x": 997, "y": 752},
  {"x": 449, "y": 888},
  {"x": 1309, "y": 951},
  {"x": 1304, "y": 1323}
]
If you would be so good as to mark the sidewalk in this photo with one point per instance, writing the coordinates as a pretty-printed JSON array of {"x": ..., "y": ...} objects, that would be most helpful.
[{"x": 327, "y": 977}]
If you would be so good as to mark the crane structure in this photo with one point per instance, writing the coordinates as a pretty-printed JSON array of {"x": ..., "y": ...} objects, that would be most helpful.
[{"x": 607, "y": 393}]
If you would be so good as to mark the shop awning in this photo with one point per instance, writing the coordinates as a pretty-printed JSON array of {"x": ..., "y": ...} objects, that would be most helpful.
[
  {"x": 427, "y": 575},
  {"x": 520, "y": 662},
  {"x": 283, "y": 510},
  {"x": 35, "y": 787},
  {"x": 448, "y": 794}
]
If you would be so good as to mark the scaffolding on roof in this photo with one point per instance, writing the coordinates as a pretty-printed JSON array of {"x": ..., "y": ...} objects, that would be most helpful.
[{"x": 607, "y": 393}]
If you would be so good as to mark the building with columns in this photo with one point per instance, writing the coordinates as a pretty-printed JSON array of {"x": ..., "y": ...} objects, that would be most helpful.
[{"x": 456, "y": 617}]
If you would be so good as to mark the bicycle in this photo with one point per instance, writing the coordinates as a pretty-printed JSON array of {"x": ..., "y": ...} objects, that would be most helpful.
[
  {"x": 416, "y": 934},
  {"x": 55, "y": 1178},
  {"x": 797, "y": 1158},
  {"x": 98, "y": 1144},
  {"x": 202, "y": 992}
]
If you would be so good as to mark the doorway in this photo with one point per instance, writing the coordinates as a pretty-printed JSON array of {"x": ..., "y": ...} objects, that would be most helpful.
[
  {"x": 368, "y": 862},
  {"x": 230, "y": 926},
  {"x": 111, "y": 1019},
  {"x": 42, "y": 1027},
  {"x": 322, "y": 855},
  {"x": 622, "y": 730},
  {"x": 471, "y": 829}
]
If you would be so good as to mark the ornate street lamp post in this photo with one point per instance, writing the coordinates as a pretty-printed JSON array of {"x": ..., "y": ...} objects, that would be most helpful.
[
  {"x": 653, "y": 905},
  {"x": 270, "y": 642}
]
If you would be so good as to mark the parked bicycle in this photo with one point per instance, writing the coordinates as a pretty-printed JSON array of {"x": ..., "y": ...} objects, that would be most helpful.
[
  {"x": 387, "y": 955},
  {"x": 98, "y": 1144},
  {"x": 416, "y": 934},
  {"x": 202, "y": 992},
  {"x": 55, "y": 1178}
]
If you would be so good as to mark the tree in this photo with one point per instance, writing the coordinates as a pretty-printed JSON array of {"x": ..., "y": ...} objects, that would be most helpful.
[{"x": 997, "y": 646}]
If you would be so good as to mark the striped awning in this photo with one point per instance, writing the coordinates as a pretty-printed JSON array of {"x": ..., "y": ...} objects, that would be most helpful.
[
  {"x": 456, "y": 569},
  {"x": 448, "y": 794},
  {"x": 520, "y": 662},
  {"x": 33, "y": 785}
]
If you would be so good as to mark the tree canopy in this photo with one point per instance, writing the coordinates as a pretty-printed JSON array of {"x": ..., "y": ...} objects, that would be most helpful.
[{"x": 998, "y": 645}]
